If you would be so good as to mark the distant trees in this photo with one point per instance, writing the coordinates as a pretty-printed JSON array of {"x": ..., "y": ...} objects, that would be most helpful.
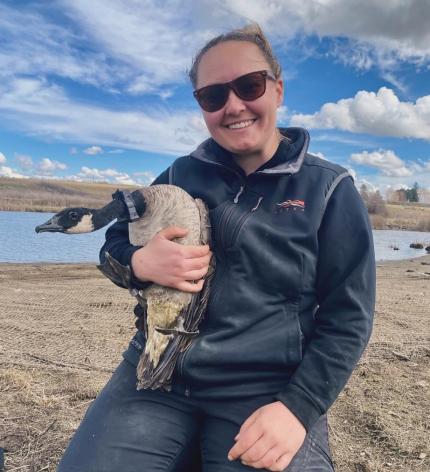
[
  {"x": 373, "y": 200},
  {"x": 412, "y": 194}
]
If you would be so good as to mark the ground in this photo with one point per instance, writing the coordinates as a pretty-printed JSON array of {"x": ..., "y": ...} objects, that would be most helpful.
[{"x": 64, "y": 327}]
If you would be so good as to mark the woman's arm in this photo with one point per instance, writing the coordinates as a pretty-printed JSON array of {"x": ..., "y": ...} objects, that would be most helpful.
[
  {"x": 162, "y": 260},
  {"x": 346, "y": 298},
  {"x": 117, "y": 241}
]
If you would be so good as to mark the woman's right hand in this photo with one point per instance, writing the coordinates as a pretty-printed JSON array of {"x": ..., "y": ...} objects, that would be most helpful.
[{"x": 171, "y": 264}]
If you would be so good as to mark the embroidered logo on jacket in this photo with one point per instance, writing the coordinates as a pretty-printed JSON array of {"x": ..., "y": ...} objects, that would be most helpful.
[{"x": 291, "y": 205}]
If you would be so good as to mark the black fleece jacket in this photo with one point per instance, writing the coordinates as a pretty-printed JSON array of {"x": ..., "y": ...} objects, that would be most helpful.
[{"x": 292, "y": 301}]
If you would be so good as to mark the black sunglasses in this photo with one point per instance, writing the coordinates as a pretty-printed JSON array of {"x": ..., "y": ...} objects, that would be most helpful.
[{"x": 247, "y": 87}]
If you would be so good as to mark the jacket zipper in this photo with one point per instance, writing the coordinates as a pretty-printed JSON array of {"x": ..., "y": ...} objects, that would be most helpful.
[{"x": 242, "y": 221}]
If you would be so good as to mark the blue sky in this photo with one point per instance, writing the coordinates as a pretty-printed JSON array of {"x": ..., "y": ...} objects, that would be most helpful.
[{"x": 97, "y": 90}]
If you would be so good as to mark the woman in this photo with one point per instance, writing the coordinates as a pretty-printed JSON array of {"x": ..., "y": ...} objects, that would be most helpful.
[{"x": 291, "y": 304}]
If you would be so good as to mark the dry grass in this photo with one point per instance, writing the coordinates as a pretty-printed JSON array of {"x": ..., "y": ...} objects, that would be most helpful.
[
  {"x": 51, "y": 195},
  {"x": 65, "y": 326},
  {"x": 413, "y": 217}
]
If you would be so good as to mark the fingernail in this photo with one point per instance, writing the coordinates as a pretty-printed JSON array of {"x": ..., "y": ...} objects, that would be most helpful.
[
  {"x": 236, "y": 437},
  {"x": 230, "y": 458}
]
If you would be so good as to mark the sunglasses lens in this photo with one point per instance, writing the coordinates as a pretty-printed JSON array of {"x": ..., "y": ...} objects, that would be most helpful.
[
  {"x": 213, "y": 97},
  {"x": 250, "y": 87},
  {"x": 247, "y": 87}
]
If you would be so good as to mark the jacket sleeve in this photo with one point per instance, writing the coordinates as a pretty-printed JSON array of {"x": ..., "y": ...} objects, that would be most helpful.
[
  {"x": 345, "y": 290},
  {"x": 117, "y": 241}
]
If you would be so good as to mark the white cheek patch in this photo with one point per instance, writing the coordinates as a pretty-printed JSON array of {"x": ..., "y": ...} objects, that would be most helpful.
[{"x": 84, "y": 226}]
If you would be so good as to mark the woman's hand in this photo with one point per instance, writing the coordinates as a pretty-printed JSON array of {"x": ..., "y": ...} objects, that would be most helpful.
[
  {"x": 168, "y": 263},
  {"x": 269, "y": 438}
]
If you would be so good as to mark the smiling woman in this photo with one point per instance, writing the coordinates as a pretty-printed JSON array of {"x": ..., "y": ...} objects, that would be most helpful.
[{"x": 291, "y": 304}]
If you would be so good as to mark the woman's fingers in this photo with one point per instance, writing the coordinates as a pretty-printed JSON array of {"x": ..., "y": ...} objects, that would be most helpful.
[
  {"x": 191, "y": 252},
  {"x": 172, "y": 232},
  {"x": 196, "y": 274},
  {"x": 169, "y": 263},
  {"x": 192, "y": 287}
]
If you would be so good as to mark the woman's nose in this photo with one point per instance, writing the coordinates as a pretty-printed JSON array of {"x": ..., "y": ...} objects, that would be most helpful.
[{"x": 234, "y": 104}]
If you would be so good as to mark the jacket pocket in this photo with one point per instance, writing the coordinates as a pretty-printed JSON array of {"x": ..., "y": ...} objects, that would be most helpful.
[{"x": 294, "y": 337}]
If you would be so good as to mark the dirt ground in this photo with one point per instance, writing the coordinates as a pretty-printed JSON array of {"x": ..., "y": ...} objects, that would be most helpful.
[{"x": 64, "y": 327}]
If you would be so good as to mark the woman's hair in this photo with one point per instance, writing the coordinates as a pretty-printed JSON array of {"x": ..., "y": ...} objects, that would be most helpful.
[{"x": 251, "y": 33}]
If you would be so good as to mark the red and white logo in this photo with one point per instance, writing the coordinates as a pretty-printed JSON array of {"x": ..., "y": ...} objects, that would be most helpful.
[{"x": 292, "y": 205}]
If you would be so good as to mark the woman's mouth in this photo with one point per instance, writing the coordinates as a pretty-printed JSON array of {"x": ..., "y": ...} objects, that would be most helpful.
[{"x": 241, "y": 124}]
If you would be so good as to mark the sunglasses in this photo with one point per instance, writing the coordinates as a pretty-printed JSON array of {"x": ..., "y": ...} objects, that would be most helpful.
[{"x": 247, "y": 87}]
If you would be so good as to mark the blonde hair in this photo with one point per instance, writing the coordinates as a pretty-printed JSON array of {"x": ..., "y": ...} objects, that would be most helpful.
[{"x": 251, "y": 33}]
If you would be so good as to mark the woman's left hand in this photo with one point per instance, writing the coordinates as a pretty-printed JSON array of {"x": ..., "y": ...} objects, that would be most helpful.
[{"x": 269, "y": 438}]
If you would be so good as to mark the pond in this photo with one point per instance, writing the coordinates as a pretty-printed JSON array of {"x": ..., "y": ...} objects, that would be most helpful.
[{"x": 20, "y": 243}]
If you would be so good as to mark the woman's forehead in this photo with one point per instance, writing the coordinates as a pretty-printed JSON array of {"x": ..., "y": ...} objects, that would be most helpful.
[{"x": 229, "y": 60}]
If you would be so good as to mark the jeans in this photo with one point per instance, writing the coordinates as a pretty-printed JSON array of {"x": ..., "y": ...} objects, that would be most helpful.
[{"x": 125, "y": 430}]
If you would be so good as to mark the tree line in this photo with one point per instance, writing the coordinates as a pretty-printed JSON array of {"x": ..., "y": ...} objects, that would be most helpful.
[{"x": 375, "y": 202}]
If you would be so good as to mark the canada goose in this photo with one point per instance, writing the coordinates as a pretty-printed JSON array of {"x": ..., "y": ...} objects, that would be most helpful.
[{"x": 172, "y": 316}]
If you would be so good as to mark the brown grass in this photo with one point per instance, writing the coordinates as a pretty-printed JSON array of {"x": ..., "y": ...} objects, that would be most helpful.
[
  {"x": 64, "y": 327},
  {"x": 412, "y": 217},
  {"x": 51, "y": 195}
]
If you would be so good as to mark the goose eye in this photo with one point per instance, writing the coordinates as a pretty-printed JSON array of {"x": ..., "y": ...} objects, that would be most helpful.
[{"x": 73, "y": 215}]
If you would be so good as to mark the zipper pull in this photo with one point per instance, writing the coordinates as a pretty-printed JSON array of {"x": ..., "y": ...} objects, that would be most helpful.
[
  {"x": 258, "y": 204},
  {"x": 239, "y": 193}
]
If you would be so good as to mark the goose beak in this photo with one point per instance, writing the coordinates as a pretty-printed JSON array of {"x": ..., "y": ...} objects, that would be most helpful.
[{"x": 51, "y": 226}]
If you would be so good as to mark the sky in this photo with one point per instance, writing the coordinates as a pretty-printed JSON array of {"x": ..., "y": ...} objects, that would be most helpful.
[{"x": 98, "y": 90}]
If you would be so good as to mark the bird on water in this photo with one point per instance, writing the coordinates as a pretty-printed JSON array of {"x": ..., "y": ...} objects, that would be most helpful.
[{"x": 171, "y": 316}]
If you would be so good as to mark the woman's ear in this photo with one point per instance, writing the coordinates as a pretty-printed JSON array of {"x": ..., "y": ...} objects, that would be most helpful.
[{"x": 279, "y": 92}]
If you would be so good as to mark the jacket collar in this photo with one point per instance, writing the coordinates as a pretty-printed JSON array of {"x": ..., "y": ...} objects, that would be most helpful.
[{"x": 288, "y": 158}]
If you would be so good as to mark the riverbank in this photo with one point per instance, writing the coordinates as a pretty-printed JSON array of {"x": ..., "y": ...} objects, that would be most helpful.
[
  {"x": 64, "y": 327},
  {"x": 54, "y": 195}
]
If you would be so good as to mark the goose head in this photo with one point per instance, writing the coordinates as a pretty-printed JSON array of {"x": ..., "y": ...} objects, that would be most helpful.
[
  {"x": 124, "y": 206},
  {"x": 69, "y": 221}
]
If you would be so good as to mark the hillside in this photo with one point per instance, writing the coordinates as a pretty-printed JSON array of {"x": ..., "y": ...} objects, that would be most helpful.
[{"x": 53, "y": 195}]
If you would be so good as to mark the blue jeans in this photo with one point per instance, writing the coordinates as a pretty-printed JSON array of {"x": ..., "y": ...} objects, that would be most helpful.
[{"x": 125, "y": 430}]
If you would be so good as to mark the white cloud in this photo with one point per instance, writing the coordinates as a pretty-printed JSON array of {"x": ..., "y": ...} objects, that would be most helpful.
[
  {"x": 116, "y": 151},
  {"x": 380, "y": 113},
  {"x": 144, "y": 178},
  {"x": 32, "y": 44},
  {"x": 282, "y": 115},
  {"x": 140, "y": 47},
  {"x": 93, "y": 150},
  {"x": 44, "y": 110},
  {"x": 105, "y": 175},
  {"x": 49, "y": 166},
  {"x": 385, "y": 160},
  {"x": 152, "y": 38},
  {"x": 2, "y": 158},
  {"x": 25, "y": 162},
  {"x": 9, "y": 172}
]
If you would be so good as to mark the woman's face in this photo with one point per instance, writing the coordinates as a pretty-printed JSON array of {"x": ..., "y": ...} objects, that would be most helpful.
[{"x": 257, "y": 135}]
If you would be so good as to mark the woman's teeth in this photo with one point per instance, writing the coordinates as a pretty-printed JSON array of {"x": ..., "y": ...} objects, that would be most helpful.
[{"x": 241, "y": 124}]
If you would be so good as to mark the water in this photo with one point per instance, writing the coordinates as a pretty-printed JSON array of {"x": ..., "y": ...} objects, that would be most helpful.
[
  {"x": 385, "y": 240},
  {"x": 20, "y": 243}
]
